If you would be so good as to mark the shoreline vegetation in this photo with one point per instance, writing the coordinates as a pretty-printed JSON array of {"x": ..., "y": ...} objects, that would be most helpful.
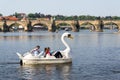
[{"x": 32, "y": 16}]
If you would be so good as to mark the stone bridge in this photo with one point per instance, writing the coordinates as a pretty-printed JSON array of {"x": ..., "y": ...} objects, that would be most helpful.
[{"x": 72, "y": 23}]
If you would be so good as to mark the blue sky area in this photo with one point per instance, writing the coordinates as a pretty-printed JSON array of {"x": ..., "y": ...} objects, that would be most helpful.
[{"x": 62, "y": 7}]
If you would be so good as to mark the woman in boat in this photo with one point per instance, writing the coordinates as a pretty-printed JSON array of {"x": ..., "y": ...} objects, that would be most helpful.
[
  {"x": 56, "y": 54},
  {"x": 47, "y": 52}
]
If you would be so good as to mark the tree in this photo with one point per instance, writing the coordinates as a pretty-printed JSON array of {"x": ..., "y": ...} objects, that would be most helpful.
[{"x": 31, "y": 15}]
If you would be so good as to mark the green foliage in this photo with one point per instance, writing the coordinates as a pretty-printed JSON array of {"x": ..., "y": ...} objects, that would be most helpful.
[
  {"x": 31, "y": 15},
  {"x": 86, "y": 17},
  {"x": 17, "y": 15},
  {"x": 38, "y": 15},
  {"x": 62, "y": 17}
]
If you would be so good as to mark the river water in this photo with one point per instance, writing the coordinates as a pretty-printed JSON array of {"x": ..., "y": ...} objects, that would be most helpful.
[{"x": 95, "y": 56}]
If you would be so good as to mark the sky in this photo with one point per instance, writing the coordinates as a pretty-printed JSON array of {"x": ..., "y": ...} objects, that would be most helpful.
[{"x": 62, "y": 7}]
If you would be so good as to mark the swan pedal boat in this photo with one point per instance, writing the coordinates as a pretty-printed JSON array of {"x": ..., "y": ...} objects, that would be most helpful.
[{"x": 28, "y": 58}]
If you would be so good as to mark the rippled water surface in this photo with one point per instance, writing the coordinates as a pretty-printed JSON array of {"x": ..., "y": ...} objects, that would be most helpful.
[{"x": 95, "y": 56}]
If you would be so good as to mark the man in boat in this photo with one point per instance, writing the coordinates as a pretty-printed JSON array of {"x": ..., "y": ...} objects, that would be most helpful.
[{"x": 35, "y": 51}]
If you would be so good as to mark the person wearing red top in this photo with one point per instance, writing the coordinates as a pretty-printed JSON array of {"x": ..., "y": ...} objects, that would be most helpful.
[{"x": 47, "y": 52}]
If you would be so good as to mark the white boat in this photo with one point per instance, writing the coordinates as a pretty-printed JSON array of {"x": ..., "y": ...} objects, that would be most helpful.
[{"x": 28, "y": 58}]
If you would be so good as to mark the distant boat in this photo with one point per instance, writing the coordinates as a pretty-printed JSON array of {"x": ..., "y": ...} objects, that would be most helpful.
[{"x": 67, "y": 29}]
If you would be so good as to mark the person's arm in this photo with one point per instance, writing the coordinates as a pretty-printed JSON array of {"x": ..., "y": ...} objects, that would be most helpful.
[{"x": 41, "y": 53}]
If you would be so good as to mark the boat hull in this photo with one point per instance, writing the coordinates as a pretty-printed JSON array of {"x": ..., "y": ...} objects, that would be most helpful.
[{"x": 46, "y": 61}]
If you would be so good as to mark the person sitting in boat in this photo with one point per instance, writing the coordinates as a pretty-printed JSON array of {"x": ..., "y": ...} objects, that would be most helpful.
[
  {"x": 35, "y": 51},
  {"x": 57, "y": 54},
  {"x": 47, "y": 52}
]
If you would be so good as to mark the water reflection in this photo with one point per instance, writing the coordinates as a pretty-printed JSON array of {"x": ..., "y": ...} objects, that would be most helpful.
[
  {"x": 95, "y": 56},
  {"x": 45, "y": 72}
]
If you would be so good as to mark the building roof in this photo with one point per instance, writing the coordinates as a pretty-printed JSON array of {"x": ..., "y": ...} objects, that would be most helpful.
[{"x": 12, "y": 18}]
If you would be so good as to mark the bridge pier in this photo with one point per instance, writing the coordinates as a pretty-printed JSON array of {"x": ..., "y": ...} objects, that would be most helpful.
[
  {"x": 77, "y": 26},
  {"x": 100, "y": 26},
  {"x": 51, "y": 28},
  {"x": 5, "y": 27},
  {"x": 25, "y": 28},
  {"x": 98, "y": 29},
  {"x": 29, "y": 27},
  {"x": 74, "y": 29}
]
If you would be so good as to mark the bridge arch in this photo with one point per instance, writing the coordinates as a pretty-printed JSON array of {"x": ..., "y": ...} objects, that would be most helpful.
[
  {"x": 70, "y": 23},
  {"x": 87, "y": 25},
  {"x": 47, "y": 25},
  {"x": 64, "y": 26},
  {"x": 111, "y": 25},
  {"x": 40, "y": 26},
  {"x": 15, "y": 26}
]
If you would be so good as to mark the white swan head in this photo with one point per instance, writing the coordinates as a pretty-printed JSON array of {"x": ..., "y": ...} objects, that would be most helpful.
[{"x": 67, "y": 49}]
